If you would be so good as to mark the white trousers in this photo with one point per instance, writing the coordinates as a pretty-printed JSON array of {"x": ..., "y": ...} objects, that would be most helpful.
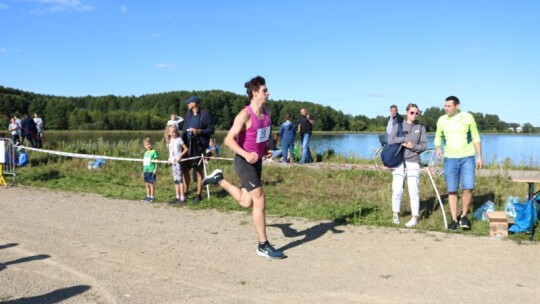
[{"x": 412, "y": 171}]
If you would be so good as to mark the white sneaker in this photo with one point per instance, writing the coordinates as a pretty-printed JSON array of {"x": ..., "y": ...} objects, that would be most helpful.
[
  {"x": 395, "y": 219},
  {"x": 411, "y": 223}
]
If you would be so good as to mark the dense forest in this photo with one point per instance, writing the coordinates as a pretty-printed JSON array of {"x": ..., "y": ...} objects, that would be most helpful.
[{"x": 150, "y": 112}]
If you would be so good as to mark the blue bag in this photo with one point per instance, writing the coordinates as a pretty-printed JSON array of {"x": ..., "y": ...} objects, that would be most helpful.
[
  {"x": 392, "y": 155},
  {"x": 523, "y": 216}
]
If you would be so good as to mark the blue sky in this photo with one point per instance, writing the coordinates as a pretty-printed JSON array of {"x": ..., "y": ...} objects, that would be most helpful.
[{"x": 355, "y": 56}]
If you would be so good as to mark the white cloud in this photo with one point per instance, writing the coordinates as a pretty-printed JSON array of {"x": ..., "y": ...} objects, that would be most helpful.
[
  {"x": 55, "y": 6},
  {"x": 165, "y": 65},
  {"x": 123, "y": 9},
  {"x": 3, "y": 50},
  {"x": 3, "y": 6}
]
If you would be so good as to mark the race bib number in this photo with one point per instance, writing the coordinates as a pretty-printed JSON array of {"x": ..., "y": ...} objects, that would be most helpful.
[
  {"x": 146, "y": 161},
  {"x": 263, "y": 134}
]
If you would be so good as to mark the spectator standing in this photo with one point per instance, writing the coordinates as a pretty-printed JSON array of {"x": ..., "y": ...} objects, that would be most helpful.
[
  {"x": 305, "y": 127},
  {"x": 15, "y": 130},
  {"x": 175, "y": 120},
  {"x": 177, "y": 149},
  {"x": 196, "y": 131},
  {"x": 286, "y": 132},
  {"x": 461, "y": 142},
  {"x": 149, "y": 169},
  {"x": 29, "y": 130},
  {"x": 414, "y": 143},
  {"x": 40, "y": 126},
  {"x": 393, "y": 119}
]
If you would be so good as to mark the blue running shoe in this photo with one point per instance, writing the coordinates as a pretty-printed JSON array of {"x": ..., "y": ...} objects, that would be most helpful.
[{"x": 270, "y": 252}]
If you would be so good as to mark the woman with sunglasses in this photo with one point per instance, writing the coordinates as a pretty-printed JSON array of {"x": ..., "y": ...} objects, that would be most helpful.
[{"x": 414, "y": 143}]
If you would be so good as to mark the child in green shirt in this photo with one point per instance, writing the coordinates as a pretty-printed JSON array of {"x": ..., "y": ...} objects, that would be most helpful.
[{"x": 149, "y": 170}]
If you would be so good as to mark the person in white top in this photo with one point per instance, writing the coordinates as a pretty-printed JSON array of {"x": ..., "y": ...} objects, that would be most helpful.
[
  {"x": 175, "y": 120},
  {"x": 15, "y": 130},
  {"x": 40, "y": 126},
  {"x": 177, "y": 149}
]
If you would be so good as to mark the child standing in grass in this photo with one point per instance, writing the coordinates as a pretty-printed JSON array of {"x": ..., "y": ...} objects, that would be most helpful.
[
  {"x": 177, "y": 149},
  {"x": 149, "y": 170}
]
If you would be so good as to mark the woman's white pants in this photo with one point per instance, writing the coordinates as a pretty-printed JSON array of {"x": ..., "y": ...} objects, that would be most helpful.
[{"x": 412, "y": 171}]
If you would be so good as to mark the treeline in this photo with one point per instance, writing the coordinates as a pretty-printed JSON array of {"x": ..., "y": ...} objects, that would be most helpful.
[{"x": 150, "y": 112}]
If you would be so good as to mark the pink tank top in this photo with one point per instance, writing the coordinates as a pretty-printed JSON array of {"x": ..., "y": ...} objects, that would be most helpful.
[{"x": 256, "y": 137}]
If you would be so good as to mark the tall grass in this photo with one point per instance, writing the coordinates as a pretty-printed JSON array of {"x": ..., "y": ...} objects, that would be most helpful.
[{"x": 355, "y": 197}]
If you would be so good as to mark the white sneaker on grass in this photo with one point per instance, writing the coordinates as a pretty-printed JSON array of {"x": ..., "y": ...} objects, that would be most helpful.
[
  {"x": 413, "y": 222},
  {"x": 395, "y": 219}
]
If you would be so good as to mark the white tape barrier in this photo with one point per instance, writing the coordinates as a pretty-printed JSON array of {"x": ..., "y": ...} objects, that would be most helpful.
[{"x": 92, "y": 156}]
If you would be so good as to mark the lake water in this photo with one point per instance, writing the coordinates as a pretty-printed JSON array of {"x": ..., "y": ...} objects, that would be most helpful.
[{"x": 521, "y": 149}]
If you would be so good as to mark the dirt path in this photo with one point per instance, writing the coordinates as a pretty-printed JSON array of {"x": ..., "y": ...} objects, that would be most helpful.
[{"x": 84, "y": 248}]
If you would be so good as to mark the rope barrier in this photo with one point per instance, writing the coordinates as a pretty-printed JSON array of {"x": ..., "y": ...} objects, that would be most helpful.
[{"x": 94, "y": 156}]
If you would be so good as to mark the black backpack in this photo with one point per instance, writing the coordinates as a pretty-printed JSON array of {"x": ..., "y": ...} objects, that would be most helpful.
[{"x": 392, "y": 154}]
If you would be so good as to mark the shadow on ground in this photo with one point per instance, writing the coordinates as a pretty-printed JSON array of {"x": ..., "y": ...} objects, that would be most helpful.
[
  {"x": 56, "y": 296},
  {"x": 309, "y": 234}
]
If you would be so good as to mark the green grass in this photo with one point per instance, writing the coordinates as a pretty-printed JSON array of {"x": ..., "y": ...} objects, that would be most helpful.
[{"x": 343, "y": 196}]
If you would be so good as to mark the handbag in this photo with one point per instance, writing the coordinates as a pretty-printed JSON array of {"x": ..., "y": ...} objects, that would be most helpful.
[{"x": 392, "y": 154}]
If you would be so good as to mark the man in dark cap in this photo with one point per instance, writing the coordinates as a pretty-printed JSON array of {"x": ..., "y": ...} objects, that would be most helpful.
[{"x": 196, "y": 131}]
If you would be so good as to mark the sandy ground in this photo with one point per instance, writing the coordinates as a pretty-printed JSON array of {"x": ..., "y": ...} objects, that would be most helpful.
[{"x": 82, "y": 248}]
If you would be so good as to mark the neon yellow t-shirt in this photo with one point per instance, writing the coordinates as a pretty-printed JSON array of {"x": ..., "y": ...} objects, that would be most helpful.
[{"x": 460, "y": 133}]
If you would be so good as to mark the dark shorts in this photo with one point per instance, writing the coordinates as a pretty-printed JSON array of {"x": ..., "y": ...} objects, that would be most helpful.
[
  {"x": 249, "y": 174},
  {"x": 149, "y": 178},
  {"x": 190, "y": 164}
]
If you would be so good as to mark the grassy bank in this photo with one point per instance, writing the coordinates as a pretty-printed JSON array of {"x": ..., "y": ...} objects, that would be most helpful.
[{"x": 355, "y": 197}]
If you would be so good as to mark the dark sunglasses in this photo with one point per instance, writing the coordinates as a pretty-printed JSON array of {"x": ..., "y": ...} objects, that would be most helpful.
[{"x": 414, "y": 113}]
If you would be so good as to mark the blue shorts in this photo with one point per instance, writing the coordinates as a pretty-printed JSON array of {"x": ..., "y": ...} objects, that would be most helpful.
[
  {"x": 459, "y": 169},
  {"x": 149, "y": 178}
]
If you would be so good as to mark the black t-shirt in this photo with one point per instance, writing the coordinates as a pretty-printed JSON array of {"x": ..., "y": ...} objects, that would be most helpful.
[{"x": 305, "y": 126}]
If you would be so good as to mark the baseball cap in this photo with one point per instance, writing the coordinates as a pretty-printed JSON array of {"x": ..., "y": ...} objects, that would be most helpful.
[{"x": 193, "y": 98}]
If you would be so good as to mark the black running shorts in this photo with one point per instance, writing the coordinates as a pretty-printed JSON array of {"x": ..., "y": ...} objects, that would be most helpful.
[{"x": 249, "y": 174}]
